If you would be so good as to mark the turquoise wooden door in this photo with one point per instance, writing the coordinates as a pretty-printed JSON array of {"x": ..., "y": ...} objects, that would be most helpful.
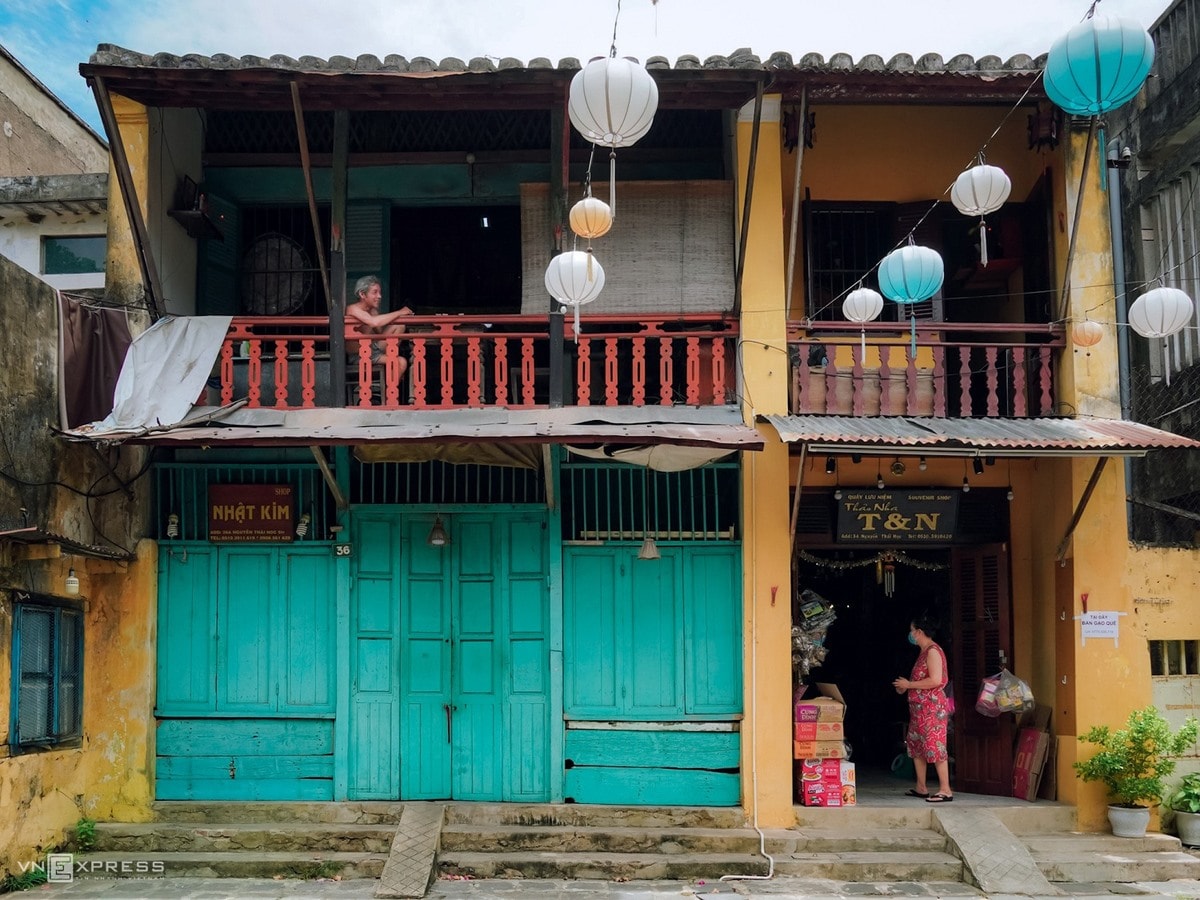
[{"x": 468, "y": 647}]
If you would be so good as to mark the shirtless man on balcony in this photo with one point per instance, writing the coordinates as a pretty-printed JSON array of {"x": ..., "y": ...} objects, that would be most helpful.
[{"x": 364, "y": 318}]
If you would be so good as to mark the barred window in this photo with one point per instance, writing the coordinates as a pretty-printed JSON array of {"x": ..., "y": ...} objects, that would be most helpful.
[
  {"x": 1171, "y": 248},
  {"x": 47, "y": 673}
]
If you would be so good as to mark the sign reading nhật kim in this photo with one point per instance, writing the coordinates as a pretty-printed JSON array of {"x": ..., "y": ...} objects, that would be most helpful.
[
  {"x": 250, "y": 512},
  {"x": 897, "y": 517}
]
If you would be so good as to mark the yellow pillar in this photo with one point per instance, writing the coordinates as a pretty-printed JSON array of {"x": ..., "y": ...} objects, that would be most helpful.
[
  {"x": 767, "y": 729},
  {"x": 123, "y": 278}
]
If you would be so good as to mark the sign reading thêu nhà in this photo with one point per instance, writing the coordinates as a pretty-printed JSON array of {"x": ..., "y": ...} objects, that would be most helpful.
[
  {"x": 250, "y": 512},
  {"x": 891, "y": 517}
]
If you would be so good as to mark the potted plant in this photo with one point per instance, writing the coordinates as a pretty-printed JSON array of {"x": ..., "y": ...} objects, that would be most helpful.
[
  {"x": 1186, "y": 803},
  {"x": 1133, "y": 763}
]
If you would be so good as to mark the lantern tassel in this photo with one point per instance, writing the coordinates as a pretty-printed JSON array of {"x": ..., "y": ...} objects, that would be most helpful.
[
  {"x": 913, "y": 321},
  {"x": 577, "y": 323},
  {"x": 983, "y": 260},
  {"x": 612, "y": 182},
  {"x": 863, "y": 355}
]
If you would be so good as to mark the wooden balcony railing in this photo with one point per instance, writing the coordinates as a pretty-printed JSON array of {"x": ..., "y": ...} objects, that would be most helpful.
[
  {"x": 959, "y": 370},
  {"x": 457, "y": 362}
]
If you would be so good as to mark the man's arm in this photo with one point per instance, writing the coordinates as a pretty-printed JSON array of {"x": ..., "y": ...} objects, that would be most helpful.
[{"x": 356, "y": 312}]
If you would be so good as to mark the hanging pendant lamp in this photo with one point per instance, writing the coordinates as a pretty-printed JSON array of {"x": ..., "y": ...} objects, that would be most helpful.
[
  {"x": 910, "y": 275},
  {"x": 979, "y": 191},
  {"x": 574, "y": 278},
  {"x": 1087, "y": 334},
  {"x": 862, "y": 305},
  {"x": 1098, "y": 65},
  {"x": 1160, "y": 313}
]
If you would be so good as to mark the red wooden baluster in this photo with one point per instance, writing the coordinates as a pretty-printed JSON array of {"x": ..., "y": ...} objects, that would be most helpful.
[
  {"x": 885, "y": 381},
  {"x": 939, "y": 381},
  {"x": 693, "y": 371},
  {"x": 447, "y": 372},
  {"x": 419, "y": 374},
  {"x": 366, "y": 373},
  {"x": 1020, "y": 401},
  {"x": 308, "y": 374},
  {"x": 718, "y": 373},
  {"x": 227, "y": 372},
  {"x": 391, "y": 373},
  {"x": 964, "y": 374},
  {"x": 1044, "y": 375},
  {"x": 281, "y": 374},
  {"x": 856, "y": 382},
  {"x": 639, "y": 371},
  {"x": 583, "y": 372},
  {"x": 528, "y": 372},
  {"x": 501, "y": 371},
  {"x": 910, "y": 387},
  {"x": 993, "y": 395},
  {"x": 666, "y": 372},
  {"x": 801, "y": 392},
  {"x": 831, "y": 377},
  {"x": 474, "y": 373},
  {"x": 254, "y": 373},
  {"x": 611, "y": 372}
]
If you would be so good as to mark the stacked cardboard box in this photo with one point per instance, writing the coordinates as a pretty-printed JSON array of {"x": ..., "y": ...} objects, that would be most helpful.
[{"x": 823, "y": 777}]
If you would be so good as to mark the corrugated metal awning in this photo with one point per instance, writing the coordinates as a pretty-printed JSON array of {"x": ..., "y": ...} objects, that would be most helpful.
[
  {"x": 35, "y": 535},
  {"x": 892, "y": 435},
  {"x": 712, "y": 426}
]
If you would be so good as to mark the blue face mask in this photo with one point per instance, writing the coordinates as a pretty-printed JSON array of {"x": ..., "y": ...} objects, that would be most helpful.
[{"x": 912, "y": 638}]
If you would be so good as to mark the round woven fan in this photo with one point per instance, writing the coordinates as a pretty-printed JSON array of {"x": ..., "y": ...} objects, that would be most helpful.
[{"x": 276, "y": 276}]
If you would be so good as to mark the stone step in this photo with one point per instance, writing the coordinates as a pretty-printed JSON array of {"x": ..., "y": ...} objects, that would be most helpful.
[
  {"x": 834, "y": 840},
  {"x": 361, "y": 812},
  {"x": 193, "y": 837},
  {"x": 866, "y": 866},
  {"x": 917, "y": 816},
  {"x": 592, "y": 838},
  {"x": 1026, "y": 819},
  {"x": 606, "y": 866},
  {"x": 1087, "y": 866},
  {"x": 306, "y": 865},
  {"x": 1092, "y": 842},
  {"x": 581, "y": 814}
]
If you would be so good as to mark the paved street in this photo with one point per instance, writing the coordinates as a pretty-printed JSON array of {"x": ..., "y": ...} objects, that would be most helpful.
[{"x": 483, "y": 889}]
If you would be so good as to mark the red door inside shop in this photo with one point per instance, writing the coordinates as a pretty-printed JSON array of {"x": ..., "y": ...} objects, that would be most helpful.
[{"x": 982, "y": 615}]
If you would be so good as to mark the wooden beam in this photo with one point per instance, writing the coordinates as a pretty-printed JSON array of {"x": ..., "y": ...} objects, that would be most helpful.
[
  {"x": 792, "y": 231},
  {"x": 302, "y": 136},
  {"x": 338, "y": 497},
  {"x": 141, "y": 236},
  {"x": 746, "y": 204},
  {"x": 796, "y": 498},
  {"x": 1061, "y": 552}
]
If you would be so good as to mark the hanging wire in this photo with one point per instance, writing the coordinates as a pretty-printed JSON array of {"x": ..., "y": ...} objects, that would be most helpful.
[{"x": 612, "y": 51}]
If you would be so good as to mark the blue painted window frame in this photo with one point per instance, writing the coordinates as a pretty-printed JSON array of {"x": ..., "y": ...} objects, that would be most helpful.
[{"x": 53, "y": 660}]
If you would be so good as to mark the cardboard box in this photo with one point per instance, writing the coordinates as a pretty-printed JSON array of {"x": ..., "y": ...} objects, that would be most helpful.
[
  {"x": 836, "y": 770},
  {"x": 825, "y": 793},
  {"x": 828, "y": 707},
  {"x": 1027, "y": 766},
  {"x": 819, "y": 749},
  {"x": 819, "y": 731}
]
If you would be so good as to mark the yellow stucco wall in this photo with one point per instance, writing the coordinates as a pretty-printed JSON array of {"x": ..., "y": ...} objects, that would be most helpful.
[{"x": 110, "y": 776}]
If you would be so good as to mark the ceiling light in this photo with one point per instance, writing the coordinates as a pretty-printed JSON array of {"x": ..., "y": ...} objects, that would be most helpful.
[
  {"x": 437, "y": 534},
  {"x": 649, "y": 550}
]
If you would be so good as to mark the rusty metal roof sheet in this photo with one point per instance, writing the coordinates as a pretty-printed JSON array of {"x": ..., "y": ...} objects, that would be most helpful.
[
  {"x": 713, "y": 426},
  {"x": 32, "y": 534},
  {"x": 1079, "y": 436}
]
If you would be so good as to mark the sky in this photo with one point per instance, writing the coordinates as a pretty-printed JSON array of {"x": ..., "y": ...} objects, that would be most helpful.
[{"x": 52, "y": 37}]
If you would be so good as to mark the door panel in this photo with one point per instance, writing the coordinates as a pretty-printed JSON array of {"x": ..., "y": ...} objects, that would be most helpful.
[{"x": 982, "y": 645}]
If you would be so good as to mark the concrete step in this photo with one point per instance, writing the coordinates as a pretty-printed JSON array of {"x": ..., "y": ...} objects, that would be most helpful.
[
  {"x": 836, "y": 840},
  {"x": 361, "y": 812},
  {"x": 1025, "y": 818},
  {"x": 606, "y": 866},
  {"x": 592, "y": 839},
  {"x": 306, "y": 865},
  {"x": 917, "y": 816},
  {"x": 1094, "y": 842},
  {"x": 859, "y": 866},
  {"x": 580, "y": 814},
  {"x": 1085, "y": 866},
  {"x": 192, "y": 837}
]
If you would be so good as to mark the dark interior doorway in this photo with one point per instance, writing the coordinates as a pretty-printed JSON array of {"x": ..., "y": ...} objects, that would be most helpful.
[{"x": 867, "y": 645}]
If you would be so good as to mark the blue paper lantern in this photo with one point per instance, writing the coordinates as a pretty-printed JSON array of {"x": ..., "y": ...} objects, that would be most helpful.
[
  {"x": 911, "y": 274},
  {"x": 1098, "y": 65}
]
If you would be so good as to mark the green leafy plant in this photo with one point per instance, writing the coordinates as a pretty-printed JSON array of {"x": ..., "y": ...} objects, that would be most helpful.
[
  {"x": 23, "y": 881},
  {"x": 1187, "y": 797},
  {"x": 85, "y": 834},
  {"x": 328, "y": 868},
  {"x": 1133, "y": 762}
]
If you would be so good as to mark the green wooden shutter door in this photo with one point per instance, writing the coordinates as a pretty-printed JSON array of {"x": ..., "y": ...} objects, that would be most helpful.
[
  {"x": 246, "y": 579},
  {"x": 306, "y": 655},
  {"x": 187, "y": 631},
  {"x": 712, "y": 615}
]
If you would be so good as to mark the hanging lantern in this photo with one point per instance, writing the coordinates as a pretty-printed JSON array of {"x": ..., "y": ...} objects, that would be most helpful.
[
  {"x": 612, "y": 102},
  {"x": 1087, "y": 334},
  {"x": 574, "y": 278},
  {"x": 1160, "y": 313},
  {"x": 910, "y": 275},
  {"x": 862, "y": 305},
  {"x": 1098, "y": 65},
  {"x": 979, "y": 191},
  {"x": 590, "y": 218}
]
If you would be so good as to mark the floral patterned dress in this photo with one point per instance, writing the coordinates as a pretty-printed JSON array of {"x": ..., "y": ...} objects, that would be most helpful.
[{"x": 928, "y": 715}]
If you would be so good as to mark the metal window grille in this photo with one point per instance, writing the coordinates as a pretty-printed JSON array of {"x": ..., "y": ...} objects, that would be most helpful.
[
  {"x": 48, "y": 644},
  {"x": 1170, "y": 242},
  {"x": 442, "y": 483},
  {"x": 627, "y": 503},
  {"x": 1176, "y": 657}
]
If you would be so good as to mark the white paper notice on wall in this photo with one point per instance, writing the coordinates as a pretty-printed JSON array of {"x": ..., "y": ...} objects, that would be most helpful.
[{"x": 1100, "y": 625}]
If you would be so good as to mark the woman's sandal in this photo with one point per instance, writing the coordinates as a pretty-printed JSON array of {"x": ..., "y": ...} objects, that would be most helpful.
[
  {"x": 913, "y": 792},
  {"x": 939, "y": 798}
]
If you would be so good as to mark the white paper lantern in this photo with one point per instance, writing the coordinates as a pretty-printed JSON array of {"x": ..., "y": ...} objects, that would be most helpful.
[
  {"x": 979, "y": 191},
  {"x": 590, "y": 218},
  {"x": 574, "y": 278},
  {"x": 862, "y": 305},
  {"x": 1160, "y": 313},
  {"x": 1087, "y": 333},
  {"x": 612, "y": 101}
]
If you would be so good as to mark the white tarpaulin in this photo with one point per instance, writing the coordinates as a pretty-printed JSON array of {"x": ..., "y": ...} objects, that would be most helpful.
[
  {"x": 165, "y": 370},
  {"x": 660, "y": 457}
]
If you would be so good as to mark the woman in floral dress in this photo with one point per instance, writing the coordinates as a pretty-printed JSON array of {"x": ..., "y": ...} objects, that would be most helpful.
[{"x": 928, "y": 712}]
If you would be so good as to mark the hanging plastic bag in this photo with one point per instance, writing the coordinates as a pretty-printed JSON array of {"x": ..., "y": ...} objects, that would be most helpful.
[{"x": 1003, "y": 693}]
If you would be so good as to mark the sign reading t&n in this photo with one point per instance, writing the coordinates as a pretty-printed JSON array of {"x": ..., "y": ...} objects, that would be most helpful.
[
  {"x": 897, "y": 517},
  {"x": 250, "y": 512}
]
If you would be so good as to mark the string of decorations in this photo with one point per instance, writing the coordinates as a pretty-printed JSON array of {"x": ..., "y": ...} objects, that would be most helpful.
[{"x": 884, "y": 563}]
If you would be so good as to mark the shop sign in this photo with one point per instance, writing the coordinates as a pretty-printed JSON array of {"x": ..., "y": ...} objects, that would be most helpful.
[
  {"x": 250, "y": 512},
  {"x": 897, "y": 517}
]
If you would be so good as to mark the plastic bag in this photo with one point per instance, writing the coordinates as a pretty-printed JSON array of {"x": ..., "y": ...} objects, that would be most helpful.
[{"x": 1003, "y": 693}]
